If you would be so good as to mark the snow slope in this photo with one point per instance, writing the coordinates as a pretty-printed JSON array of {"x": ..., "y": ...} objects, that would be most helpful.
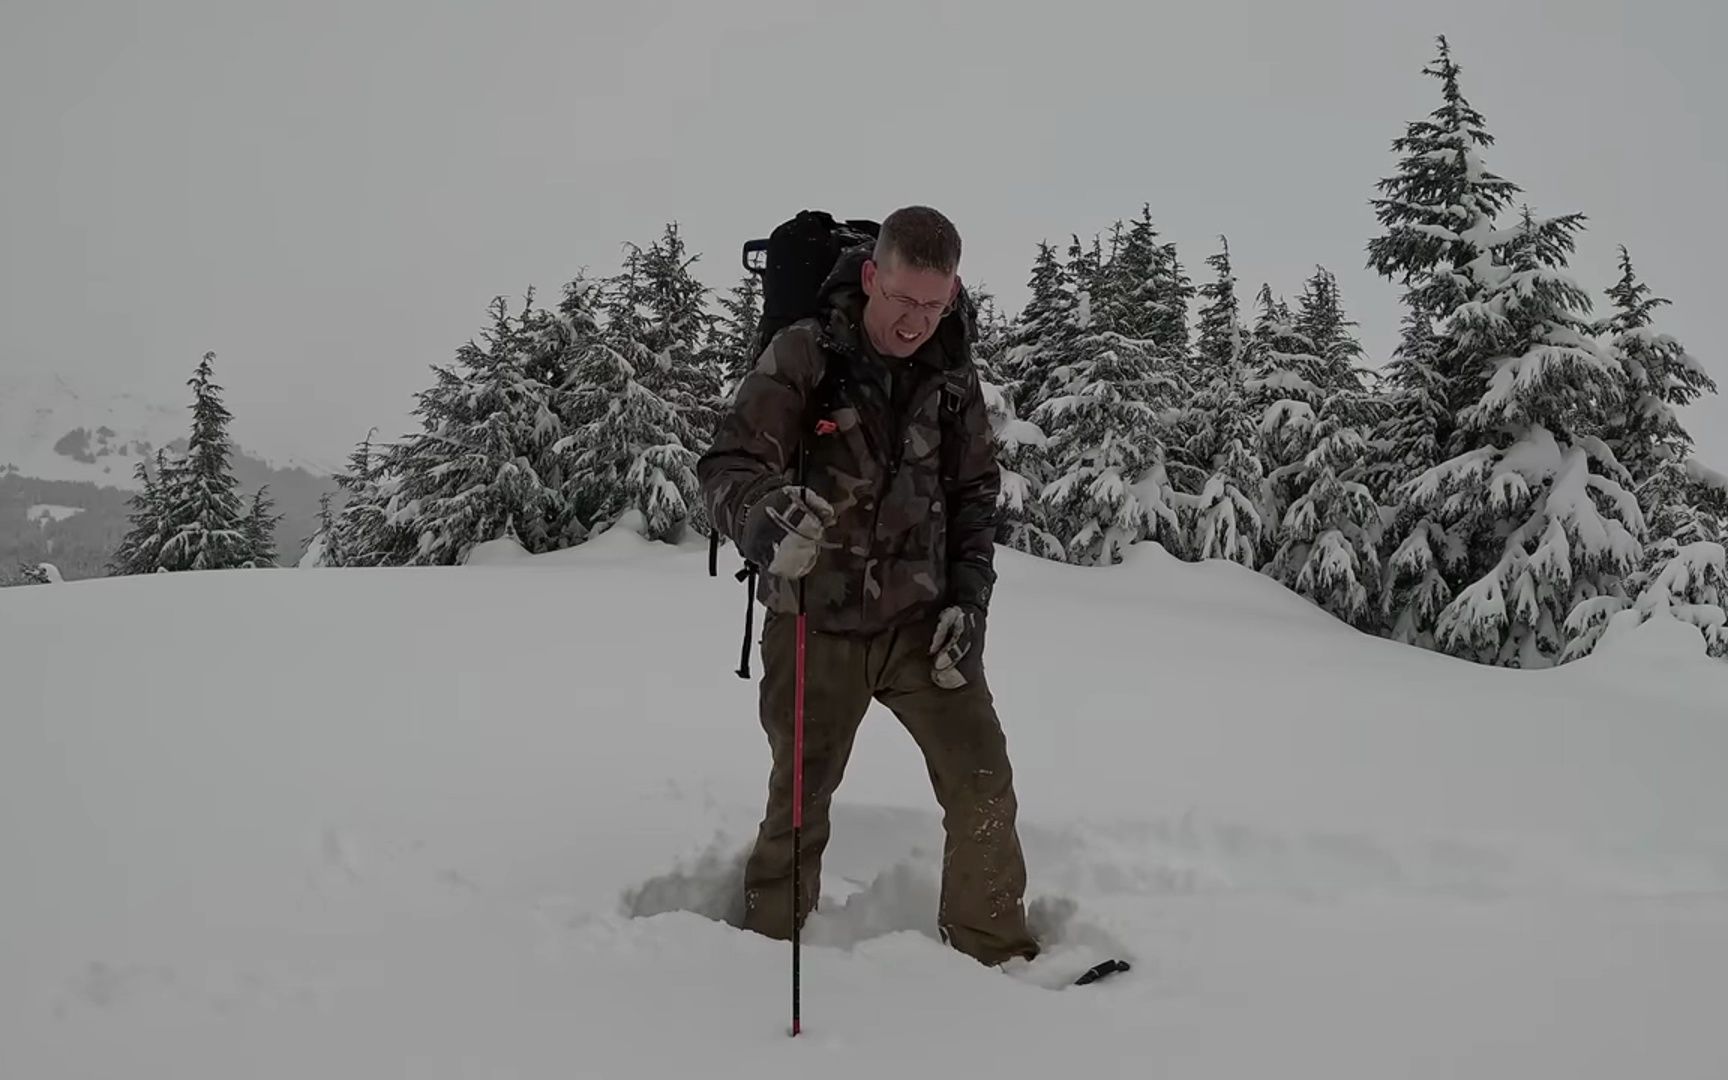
[{"x": 481, "y": 824}]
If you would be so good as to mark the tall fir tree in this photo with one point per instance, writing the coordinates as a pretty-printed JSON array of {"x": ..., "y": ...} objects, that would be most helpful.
[
  {"x": 1438, "y": 214},
  {"x": 205, "y": 526}
]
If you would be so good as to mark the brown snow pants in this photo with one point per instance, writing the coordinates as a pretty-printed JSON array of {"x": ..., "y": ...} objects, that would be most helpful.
[{"x": 981, "y": 910}]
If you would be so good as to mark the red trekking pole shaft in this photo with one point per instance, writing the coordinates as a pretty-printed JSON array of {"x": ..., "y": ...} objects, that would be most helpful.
[{"x": 798, "y": 780}]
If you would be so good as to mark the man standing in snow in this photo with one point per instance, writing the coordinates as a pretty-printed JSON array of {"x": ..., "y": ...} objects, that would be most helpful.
[{"x": 893, "y": 537}]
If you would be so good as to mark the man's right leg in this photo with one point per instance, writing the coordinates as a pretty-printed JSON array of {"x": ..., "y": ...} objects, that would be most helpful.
[{"x": 836, "y": 695}]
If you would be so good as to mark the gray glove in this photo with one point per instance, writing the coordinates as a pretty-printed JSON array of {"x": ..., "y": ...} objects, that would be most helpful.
[
  {"x": 783, "y": 532},
  {"x": 958, "y": 646}
]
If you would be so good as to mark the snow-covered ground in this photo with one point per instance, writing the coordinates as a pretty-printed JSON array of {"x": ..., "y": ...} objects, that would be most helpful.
[{"x": 474, "y": 823}]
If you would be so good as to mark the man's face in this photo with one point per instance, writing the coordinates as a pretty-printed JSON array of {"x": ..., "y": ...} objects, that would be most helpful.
[{"x": 904, "y": 304}]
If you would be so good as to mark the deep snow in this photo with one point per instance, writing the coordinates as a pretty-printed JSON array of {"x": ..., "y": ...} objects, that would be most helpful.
[{"x": 477, "y": 822}]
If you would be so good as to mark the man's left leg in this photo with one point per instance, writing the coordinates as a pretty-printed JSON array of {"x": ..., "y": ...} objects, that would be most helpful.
[{"x": 983, "y": 911}]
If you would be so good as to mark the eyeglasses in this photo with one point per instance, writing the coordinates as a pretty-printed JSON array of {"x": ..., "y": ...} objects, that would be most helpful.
[{"x": 939, "y": 308}]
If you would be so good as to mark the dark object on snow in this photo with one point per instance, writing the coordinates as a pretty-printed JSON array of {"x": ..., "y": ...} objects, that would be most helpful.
[{"x": 1101, "y": 971}]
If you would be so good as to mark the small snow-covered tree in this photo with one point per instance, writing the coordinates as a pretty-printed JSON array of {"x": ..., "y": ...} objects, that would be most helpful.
[
  {"x": 1022, "y": 454},
  {"x": 1690, "y": 584},
  {"x": 205, "y": 518},
  {"x": 141, "y": 548},
  {"x": 259, "y": 529},
  {"x": 321, "y": 547},
  {"x": 30, "y": 573},
  {"x": 362, "y": 533}
]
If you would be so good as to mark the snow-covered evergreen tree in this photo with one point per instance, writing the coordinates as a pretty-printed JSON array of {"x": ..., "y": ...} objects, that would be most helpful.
[
  {"x": 1220, "y": 475},
  {"x": 1645, "y": 432},
  {"x": 321, "y": 547},
  {"x": 1438, "y": 213},
  {"x": 1533, "y": 504},
  {"x": 676, "y": 328},
  {"x": 1680, "y": 573},
  {"x": 627, "y": 447},
  {"x": 1323, "y": 326},
  {"x": 1022, "y": 453},
  {"x": 205, "y": 518},
  {"x": 259, "y": 529},
  {"x": 362, "y": 533},
  {"x": 1039, "y": 341},
  {"x": 1172, "y": 293},
  {"x": 1328, "y": 536},
  {"x": 30, "y": 573},
  {"x": 1221, "y": 342},
  {"x": 1106, "y": 456},
  {"x": 1408, "y": 434},
  {"x": 1690, "y": 584},
  {"x": 1133, "y": 304},
  {"x": 732, "y": 339},
  {"x": 140, "y": 549},
  {"x": 474, "y": 472}
]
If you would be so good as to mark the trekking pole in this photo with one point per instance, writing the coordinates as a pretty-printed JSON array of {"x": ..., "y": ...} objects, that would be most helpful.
[{"x": 798, "y": 776}]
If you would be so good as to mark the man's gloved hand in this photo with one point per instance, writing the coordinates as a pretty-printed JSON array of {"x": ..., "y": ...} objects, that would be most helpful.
[
  {"x": 783, "y": 532},
  {"x": 958, "y": 646}
]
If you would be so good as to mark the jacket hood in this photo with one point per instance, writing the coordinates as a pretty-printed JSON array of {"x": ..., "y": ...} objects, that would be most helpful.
[{"x": 841, "y": 302}]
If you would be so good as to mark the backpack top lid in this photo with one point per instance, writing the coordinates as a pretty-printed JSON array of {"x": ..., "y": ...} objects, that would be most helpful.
[{"x": 796, "y": 260}]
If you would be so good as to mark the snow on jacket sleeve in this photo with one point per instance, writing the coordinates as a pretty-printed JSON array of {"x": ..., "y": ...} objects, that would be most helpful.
[{"x": 755, "y": 446}]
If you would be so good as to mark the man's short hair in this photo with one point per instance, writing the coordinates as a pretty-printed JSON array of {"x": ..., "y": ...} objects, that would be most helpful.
[{"x": 920, "y": 237}]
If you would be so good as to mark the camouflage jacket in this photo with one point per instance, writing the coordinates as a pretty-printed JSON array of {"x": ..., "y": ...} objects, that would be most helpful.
[{"x": 908, "y": 543}]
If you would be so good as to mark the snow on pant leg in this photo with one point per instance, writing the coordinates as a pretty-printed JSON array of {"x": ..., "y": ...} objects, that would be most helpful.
[
  {"x": 983, "y": 910},
  {"x": 836, "y": 695}
]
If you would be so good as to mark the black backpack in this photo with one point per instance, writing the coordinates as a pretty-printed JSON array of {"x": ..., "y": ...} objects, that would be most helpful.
[{"x": 794, "y": 262}]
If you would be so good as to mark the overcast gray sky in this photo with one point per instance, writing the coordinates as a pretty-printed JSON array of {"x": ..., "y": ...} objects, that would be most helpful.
[{"x": 328, "y": 194}]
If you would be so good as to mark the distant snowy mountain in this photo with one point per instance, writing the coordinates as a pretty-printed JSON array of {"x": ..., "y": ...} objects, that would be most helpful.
[
  {"x": 53, "y": 427},
  {"x": 68, "y": 452}
]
